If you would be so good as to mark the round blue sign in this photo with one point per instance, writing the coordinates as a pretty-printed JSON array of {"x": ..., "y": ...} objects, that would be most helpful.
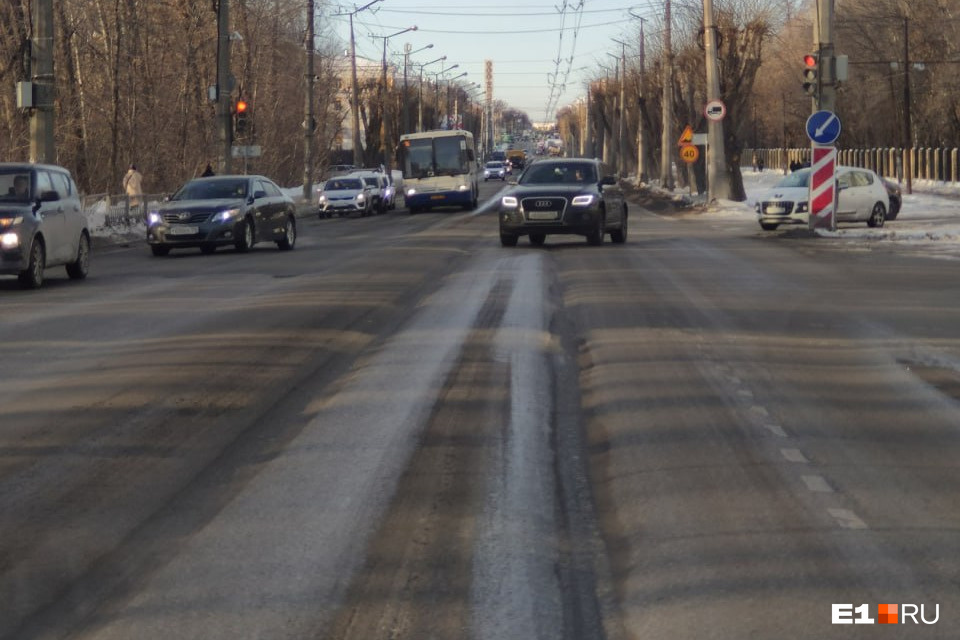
[{"x": 823, "y": 127}]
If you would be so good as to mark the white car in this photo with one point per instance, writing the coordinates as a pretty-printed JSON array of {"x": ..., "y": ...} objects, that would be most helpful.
[
  {"x": 382, "y": 190},
  {"x": 346, "y": 194},
  {"x": 862, "y": 198},
  {"x": 494, "y": 170}
]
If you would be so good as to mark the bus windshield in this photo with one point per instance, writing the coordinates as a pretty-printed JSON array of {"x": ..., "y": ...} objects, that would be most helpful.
[{"x": 440, "y": 156}]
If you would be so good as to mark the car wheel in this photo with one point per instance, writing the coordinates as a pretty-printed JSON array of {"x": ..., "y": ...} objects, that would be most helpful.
[
  {"x": 159, "y": 250},
  {"x": 595, "y": 237},
  {"x": 245, "y": 241},
  {"x": 32, "y": 276},
  {"x": 508, "y": 240},
  {"x": 77, "y": 270},
  {"x": 769, "y": 226},
  {"x": 877, "y": 216},
  {"x": 537, "y": 239},
  {"x": 289, "y": 236},
  {"x": 619, "y": 236},
  {"x": 207, "y": 249}
]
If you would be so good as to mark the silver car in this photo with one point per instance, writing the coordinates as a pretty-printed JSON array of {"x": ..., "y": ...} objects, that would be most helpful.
[{"x": 41, "y": 223}]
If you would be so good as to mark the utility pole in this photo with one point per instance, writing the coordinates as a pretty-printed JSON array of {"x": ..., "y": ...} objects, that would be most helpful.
[
  {"x": 907, "y": 116},
  {"x": 42, "y": 148},
  {"x": 642, "y": 169},
  {"x": 309, "y": 122},
  {"x": 666, "y": 146},
  {"x": 718, "y": 183},
  {"x": 616, "y": 150},
  {"x": 224, "y": 88},
  {"x": 621, "y": 126}
]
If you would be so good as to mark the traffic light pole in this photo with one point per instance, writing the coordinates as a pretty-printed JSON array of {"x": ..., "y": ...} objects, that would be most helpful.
[
  {"x": 224, "y": 88},
  {"x": 826, "y": 98}
]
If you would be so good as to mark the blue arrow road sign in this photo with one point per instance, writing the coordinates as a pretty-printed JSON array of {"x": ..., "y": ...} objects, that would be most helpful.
[{"x": 823, "y": 127}]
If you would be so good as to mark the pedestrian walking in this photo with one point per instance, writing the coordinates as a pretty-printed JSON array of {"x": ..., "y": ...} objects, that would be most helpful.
[{"x": 133, "y": 186}]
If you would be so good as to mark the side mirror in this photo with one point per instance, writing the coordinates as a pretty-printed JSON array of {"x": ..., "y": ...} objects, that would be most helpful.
[
  {"x": 259, "y": 194},
  {"x": 608, "y": 180},
  {"x": 49, "y": 196}
]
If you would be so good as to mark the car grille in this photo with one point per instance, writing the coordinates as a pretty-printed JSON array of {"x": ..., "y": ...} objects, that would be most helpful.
[
  {"x": 190, "y": 217},
  {"x": 785, "y": 206},
  {"x": 536, "y": 205}
]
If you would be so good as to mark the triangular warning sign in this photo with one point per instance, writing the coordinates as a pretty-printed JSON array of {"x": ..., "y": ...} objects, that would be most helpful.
[{"x": 687, "y": 136}]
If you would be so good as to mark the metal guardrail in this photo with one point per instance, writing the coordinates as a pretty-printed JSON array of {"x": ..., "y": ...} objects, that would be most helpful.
[
  {"x": 938, "y": 164},
  {"x": 104, "y": 210}
]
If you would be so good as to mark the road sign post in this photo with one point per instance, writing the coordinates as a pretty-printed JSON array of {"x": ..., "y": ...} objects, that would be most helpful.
[{"x": 823, "y": 188}]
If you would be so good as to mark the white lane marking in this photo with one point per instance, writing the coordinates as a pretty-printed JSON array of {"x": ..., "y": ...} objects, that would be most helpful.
[
  {"x": 745, "y": 393},
  {"x": 794, "y": 455},
  {"x": 776, "y": 430},
  {"x": 817, "y": 484},
  {"x": 847, "y": 519}
]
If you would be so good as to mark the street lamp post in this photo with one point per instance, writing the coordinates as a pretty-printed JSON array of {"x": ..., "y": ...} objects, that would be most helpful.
[
  {"x": 406, "y": 99},
  {"x": 436, "y": 97},
  {"x": 354, "y": 94},
  {"x": 420, "y": 98},
  {"x": 455, "y": 102},
  {"x": 387, "y": 137}
]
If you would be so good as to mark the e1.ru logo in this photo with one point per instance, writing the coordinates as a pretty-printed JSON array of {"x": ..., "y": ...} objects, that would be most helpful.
[{"x": 886, "y": 614}]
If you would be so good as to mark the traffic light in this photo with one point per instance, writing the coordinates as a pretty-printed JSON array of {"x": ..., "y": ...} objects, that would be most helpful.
[
  {"x": 811, "y": 73},
  {"x": 240, "y": 116}
]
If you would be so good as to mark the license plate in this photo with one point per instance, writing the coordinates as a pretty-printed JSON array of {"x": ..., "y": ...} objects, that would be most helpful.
[
  {"x": 542, "y": 215},
  {"x": 440, "y": 197},
  {"x": 183, "y": 231},
  {"x": 776, "y": 210}
]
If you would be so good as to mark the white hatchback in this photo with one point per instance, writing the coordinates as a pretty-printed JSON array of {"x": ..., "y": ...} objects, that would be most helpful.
[{"x": 862, "y": 198}]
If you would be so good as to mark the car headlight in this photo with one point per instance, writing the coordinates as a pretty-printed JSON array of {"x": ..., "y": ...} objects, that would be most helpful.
[
  {"x": 227, "y": 215},
  {"x": 6, "y": 223},
  {"x": 508, "y": 201},
  {"x": 10, "y": 240},
  {"x": 801, "y": 207},
  {"x": 322, "y": 198},
  {"x": 411, "y": 192},
  {"x": 360, "y": 197},
  {"x": 153, "y": 218},
  {"x": 582, "y": 201}
]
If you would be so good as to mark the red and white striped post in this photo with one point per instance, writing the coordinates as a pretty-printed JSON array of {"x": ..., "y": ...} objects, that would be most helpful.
[{"x": 823, "y": 188}]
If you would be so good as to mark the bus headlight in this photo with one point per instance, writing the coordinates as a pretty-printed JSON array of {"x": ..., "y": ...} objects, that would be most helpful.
[
  {"x": 411, "y": 192},
  {"x": 462, "y": 187}
]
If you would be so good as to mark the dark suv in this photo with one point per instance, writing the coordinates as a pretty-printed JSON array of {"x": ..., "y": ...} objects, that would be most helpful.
[
  {"x": 41, "y": 223},
  {"x": 563, "y": 196}
]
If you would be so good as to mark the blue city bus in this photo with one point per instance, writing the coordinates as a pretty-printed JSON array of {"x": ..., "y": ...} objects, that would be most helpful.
[{"x": 439, "y": 170}]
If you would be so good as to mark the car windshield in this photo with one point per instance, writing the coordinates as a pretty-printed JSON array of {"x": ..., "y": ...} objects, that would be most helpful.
[
  {"x": 796, "y": 179},
  {"x": 560, "y": 173},
  {"x": 494, "y": 165},
  {"x": 373, "y": 182},
  {"x": 220, "y": 189},
  {"x": 15, "y": 186},
  {"x": 342, "y": 185}
]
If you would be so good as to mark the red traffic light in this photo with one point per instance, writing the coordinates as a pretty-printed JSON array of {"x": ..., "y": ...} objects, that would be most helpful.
[
  {"x": 241, "y": 106},
  {"x": 810, "y": 60}
]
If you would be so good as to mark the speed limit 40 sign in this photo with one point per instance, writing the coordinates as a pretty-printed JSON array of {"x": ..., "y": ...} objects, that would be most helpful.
[{"x": 689, "y": 153}]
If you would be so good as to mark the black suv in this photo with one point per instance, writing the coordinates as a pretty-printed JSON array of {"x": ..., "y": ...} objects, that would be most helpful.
[
  {"x": 41, "y": 223},
  {"x": 222, "y": 210},
  {"x": 563, "y": 196}
]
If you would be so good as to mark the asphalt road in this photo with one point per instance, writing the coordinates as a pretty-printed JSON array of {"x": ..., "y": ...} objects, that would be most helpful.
[{"x": 403, "y": 430}]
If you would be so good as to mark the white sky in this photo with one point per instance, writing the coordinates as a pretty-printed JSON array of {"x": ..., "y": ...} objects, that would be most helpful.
[{"x": 523, "y": 38}]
